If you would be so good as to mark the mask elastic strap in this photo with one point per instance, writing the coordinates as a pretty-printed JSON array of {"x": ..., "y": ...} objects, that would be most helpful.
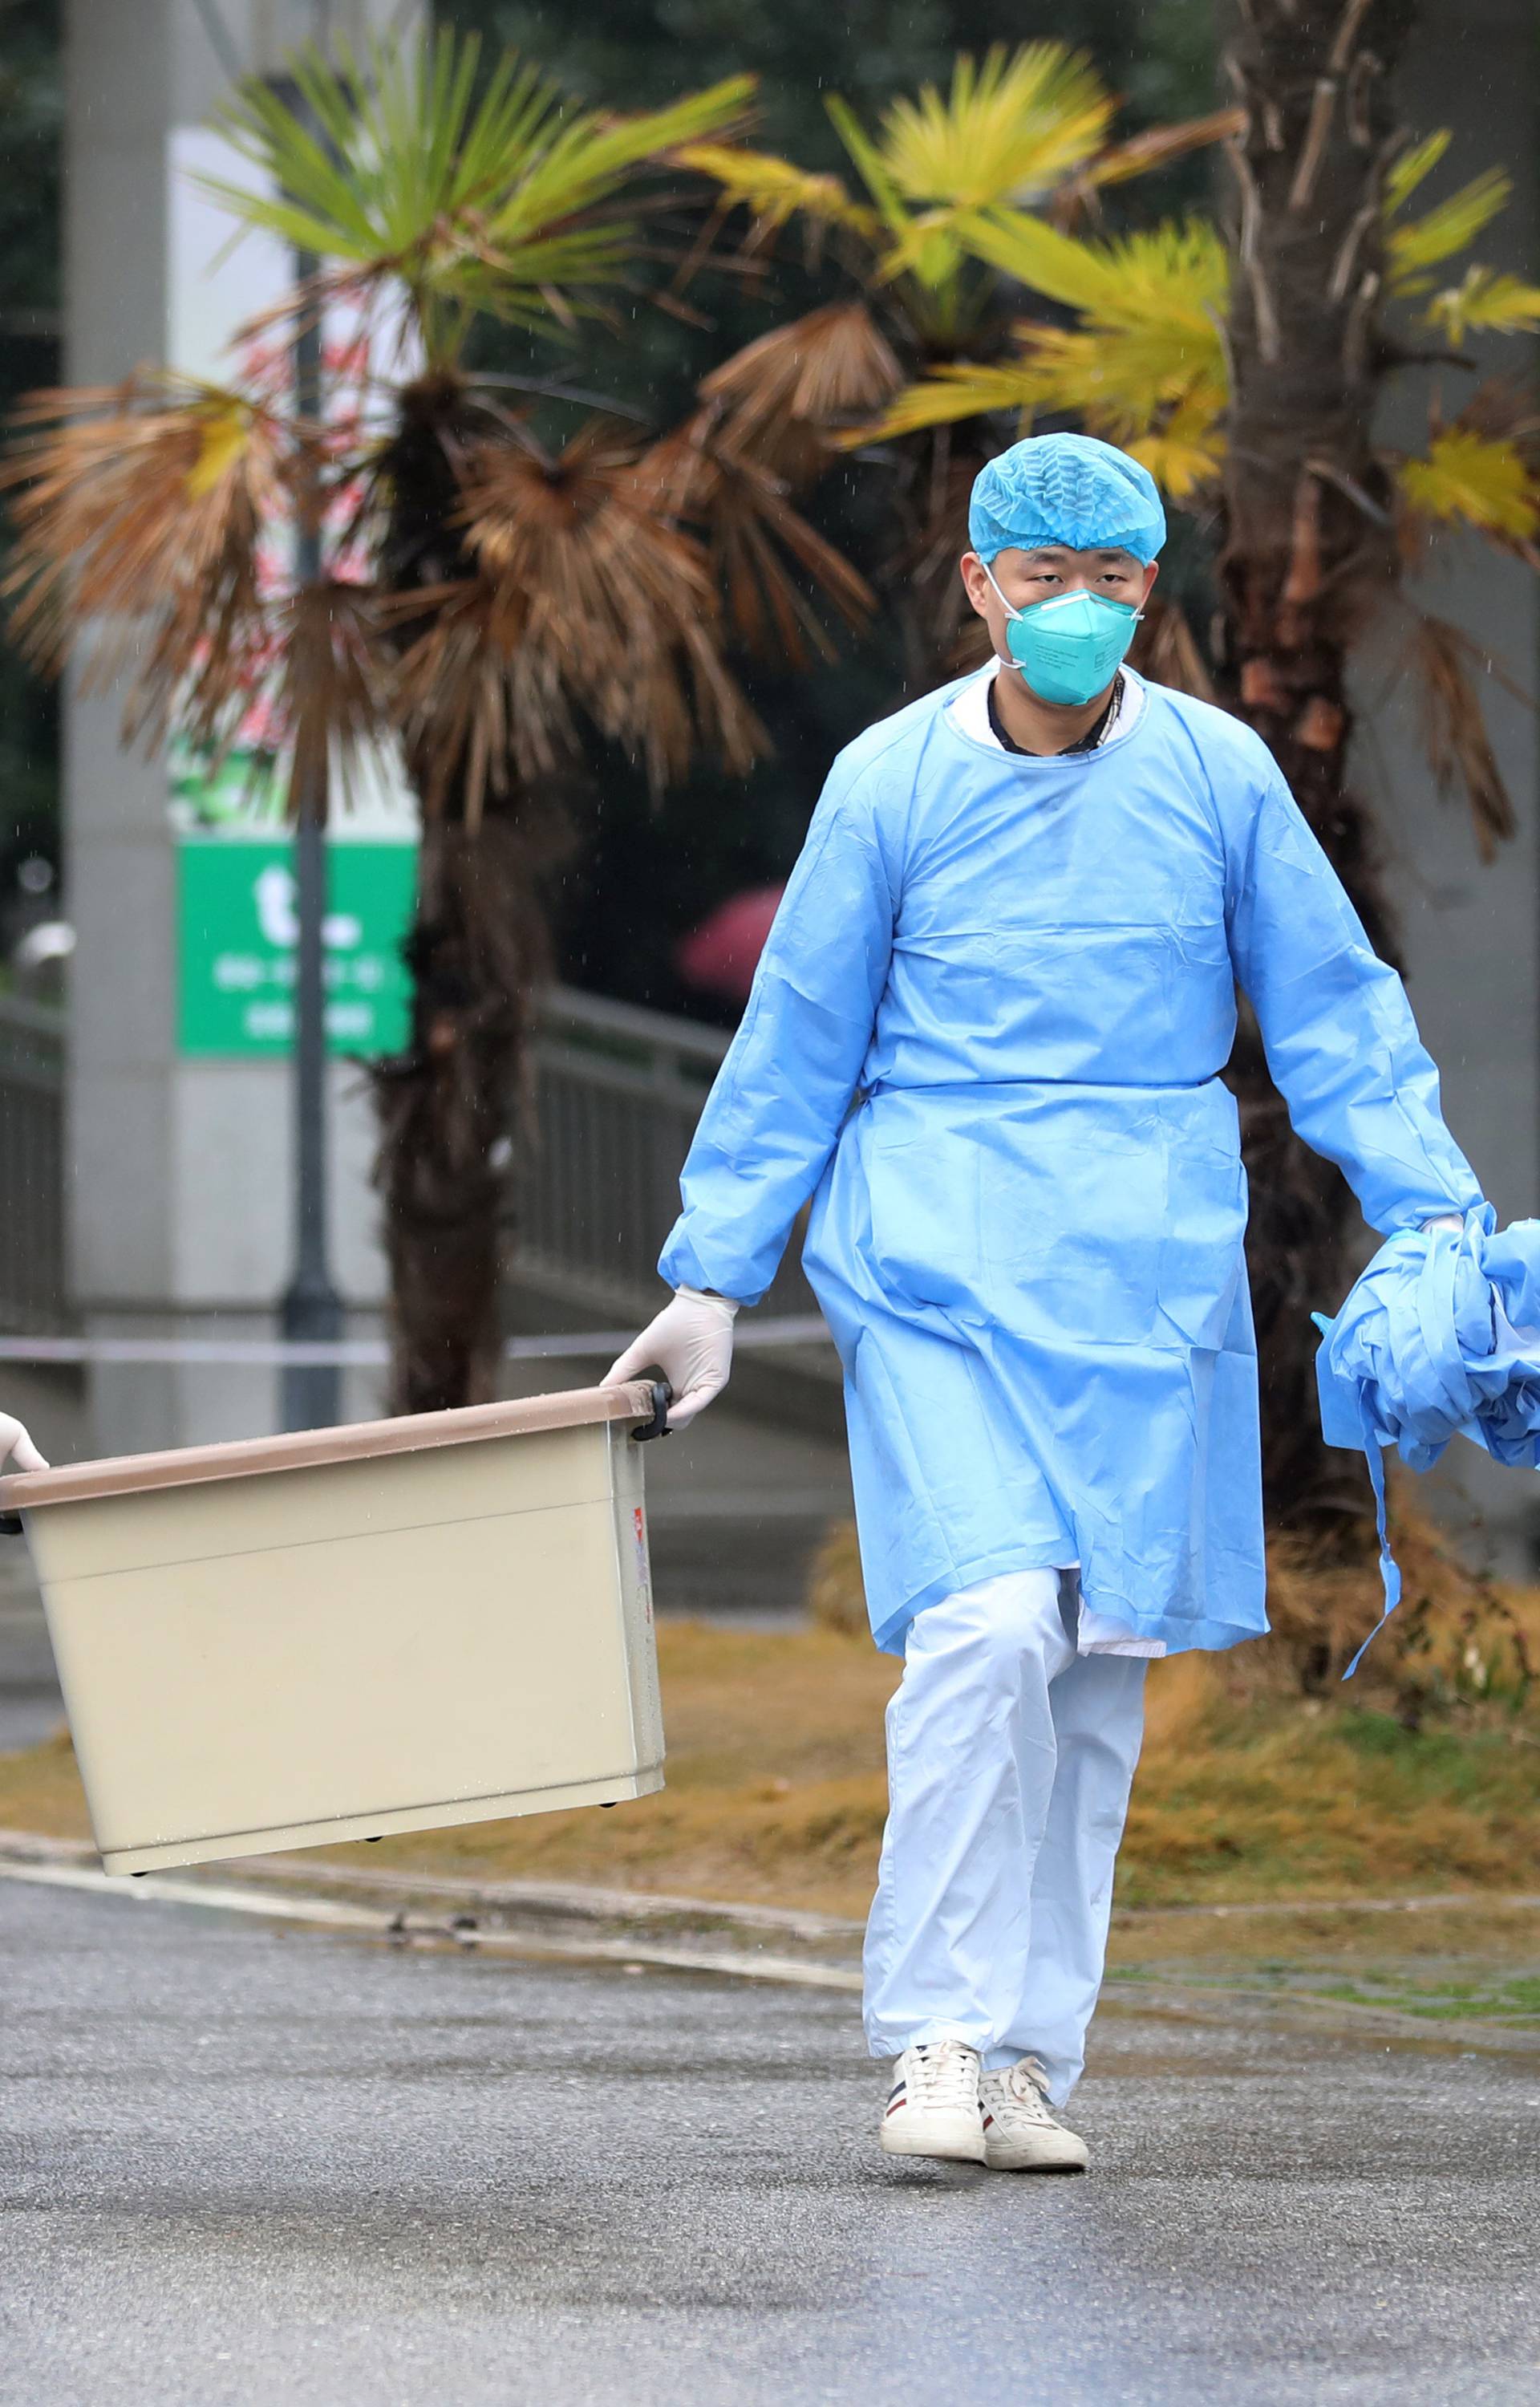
[{"x": 1010, "y": 606}]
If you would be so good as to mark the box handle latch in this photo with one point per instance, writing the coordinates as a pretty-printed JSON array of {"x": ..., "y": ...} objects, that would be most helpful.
[{"x": 659, "y": 1425}]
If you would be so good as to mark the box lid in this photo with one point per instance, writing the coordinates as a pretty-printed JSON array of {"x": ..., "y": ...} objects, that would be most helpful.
[{"x": 129, "y": 1474}]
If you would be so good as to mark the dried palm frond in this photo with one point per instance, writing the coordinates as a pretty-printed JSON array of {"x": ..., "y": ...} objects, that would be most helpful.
[
  {"x": 1157, "y": 146},
  {"x": 934, "y": 487},
  {"x": 587, "y": 604},
  {"x": 139, "y": 510},
  {"x": 782, "y": 394},
  {"x": 1167, "y": 650},
  {"x": 1445, "y": 667},
  {"x": 332, "y": 679},
  {"x": 820, "y": 368},
  {"x": 705, "y": 478},
  {"x": 473, "y": 720}
]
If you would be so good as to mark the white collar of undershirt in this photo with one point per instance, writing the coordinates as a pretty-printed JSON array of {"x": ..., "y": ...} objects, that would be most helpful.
[{"x": 969, "y": 710}]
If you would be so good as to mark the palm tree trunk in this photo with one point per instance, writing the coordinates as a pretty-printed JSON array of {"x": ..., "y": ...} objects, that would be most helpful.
[
  {"x": 453, "y": 1105},
  {"x": 1309, "y": 549},
  {"x": 450, "y": 1108},
  {"x": 919, "y": 579}
]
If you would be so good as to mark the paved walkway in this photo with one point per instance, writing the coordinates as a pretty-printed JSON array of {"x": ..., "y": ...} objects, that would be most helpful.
[{"x": 242, "y": 2167}]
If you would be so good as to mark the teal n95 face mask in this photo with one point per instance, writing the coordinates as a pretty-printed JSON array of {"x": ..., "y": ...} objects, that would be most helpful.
[{"x": 1069, "y": 646}]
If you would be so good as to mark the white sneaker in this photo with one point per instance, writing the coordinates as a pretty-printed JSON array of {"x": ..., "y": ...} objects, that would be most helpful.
[
  {"x": 932, "y": 2108},
  {"x": 1021, "y": 2133}
]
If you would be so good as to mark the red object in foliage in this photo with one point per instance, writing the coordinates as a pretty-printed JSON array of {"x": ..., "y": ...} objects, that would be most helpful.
[{"x": 722, "y": 954}]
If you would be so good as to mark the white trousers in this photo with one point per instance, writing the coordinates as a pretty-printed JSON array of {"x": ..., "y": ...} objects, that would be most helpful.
[{"x": 1009, "y": 1756}]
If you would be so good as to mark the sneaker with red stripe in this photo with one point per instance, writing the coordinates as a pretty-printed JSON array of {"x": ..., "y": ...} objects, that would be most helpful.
[{"x": 932, "y": 2109}]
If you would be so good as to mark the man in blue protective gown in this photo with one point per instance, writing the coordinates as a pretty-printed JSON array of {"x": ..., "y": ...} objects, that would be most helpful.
[{"x": 985, "y": 1037}]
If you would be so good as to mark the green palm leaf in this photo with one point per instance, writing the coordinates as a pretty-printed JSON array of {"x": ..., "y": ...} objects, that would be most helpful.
[
  {"x": 1472, "y": 479},
  {"x": 872, "y": 167},
  {"x": 1451, "y": 227},
  {"x": 1403, "y": 175},
  {"x": 388, "y": 164},
  {"x": 774, "y": 189},
  {"x": 1058, "y": 265},
  {"x": 1485, "y": 301},
  {"x": 1144, "y": 365},
  {"x": 1011, "y": 128},
  {"x": 955, "y": 390}
]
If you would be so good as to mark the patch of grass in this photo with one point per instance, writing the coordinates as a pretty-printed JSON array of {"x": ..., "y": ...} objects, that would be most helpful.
[
  {"x": 1279, "y": 1795},
  {"x": 1485, "y": 1997},
  {"x": 40, "y": 1790}
]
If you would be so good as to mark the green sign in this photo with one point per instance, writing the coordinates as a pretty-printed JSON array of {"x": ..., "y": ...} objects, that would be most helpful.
[{"x": 237, "y": 937}]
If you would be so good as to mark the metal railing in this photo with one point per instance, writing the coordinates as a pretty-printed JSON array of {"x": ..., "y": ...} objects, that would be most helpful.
[
  {"x": 33, "y": 1291},
  {"x": 620, "y": 1091}
]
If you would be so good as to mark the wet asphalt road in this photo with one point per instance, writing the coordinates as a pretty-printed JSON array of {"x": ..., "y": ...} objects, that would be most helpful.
[{"x": 247, "y": 2164}]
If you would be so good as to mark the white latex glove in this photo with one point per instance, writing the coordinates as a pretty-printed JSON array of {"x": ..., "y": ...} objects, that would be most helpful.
[
  {"x": 690, "y": 1342},
  {"x": 16, "y": 1439}
]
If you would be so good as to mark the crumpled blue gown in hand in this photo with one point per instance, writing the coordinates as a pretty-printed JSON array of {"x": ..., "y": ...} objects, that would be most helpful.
[
  {"x": 1439, "y": 1337},
  {"x": 985, "y": 1037}
]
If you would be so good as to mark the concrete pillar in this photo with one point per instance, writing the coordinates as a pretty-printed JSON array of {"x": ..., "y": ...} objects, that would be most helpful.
[
  {"x": 1472, "y": 932},
  {"x": 182, "y": 1209}
]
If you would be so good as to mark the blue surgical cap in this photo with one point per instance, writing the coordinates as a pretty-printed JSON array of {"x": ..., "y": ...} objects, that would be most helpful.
[{"x": 1068, "y": 489}]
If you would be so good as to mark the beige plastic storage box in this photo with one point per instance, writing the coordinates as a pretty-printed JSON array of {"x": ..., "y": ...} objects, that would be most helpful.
[{"x": 392, "y": 1627}]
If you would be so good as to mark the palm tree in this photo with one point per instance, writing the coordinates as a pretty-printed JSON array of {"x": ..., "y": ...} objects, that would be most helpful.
[
  {"x": 495, "y": 599},
  {"x": 1245, "y": 367},
  {"x": 1023, "y": 132}
]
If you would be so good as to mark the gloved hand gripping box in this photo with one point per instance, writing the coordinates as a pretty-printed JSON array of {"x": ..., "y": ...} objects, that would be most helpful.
[{"x": 345, "y": 1632}]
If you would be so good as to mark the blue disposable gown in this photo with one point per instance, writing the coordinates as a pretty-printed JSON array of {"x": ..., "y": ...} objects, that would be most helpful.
[{"x": 985, "y": 1037}]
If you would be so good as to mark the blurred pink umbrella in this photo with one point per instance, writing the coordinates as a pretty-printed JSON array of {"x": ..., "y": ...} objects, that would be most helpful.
[{"x": 722, "y": 953}]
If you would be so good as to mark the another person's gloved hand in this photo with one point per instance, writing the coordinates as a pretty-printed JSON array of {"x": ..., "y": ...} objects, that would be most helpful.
[
  {"x": 690, "y": 1342},
  {"x": 16, "y": 1439}
]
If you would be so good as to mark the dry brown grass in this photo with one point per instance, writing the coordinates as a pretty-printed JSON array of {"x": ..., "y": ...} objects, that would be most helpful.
[
  {"x": 1457, "y": 1641},
  {"x": 1244, "y": 1798},
  {"x": 835, "y": 1599},
  {"x": 40, "y": 1790}
]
